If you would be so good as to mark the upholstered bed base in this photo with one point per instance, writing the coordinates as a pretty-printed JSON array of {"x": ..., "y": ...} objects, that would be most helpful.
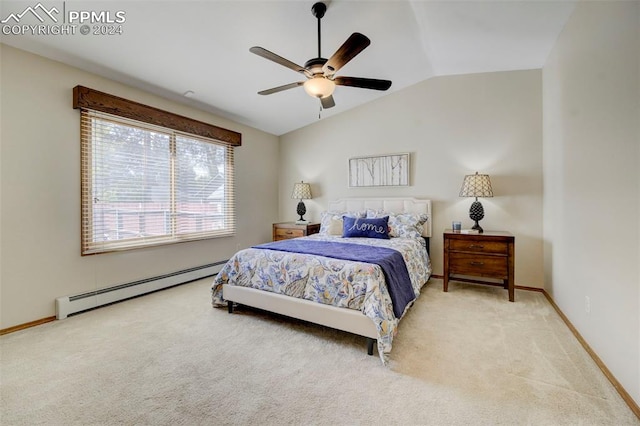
[{"x": 339, "y": 318}]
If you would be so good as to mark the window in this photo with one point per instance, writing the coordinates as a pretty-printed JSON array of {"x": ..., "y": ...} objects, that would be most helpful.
[{"x": 145, "y": 185}]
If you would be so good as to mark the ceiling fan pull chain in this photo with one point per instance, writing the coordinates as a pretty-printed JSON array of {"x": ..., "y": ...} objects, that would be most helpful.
[{"x": 320, "y": 112}]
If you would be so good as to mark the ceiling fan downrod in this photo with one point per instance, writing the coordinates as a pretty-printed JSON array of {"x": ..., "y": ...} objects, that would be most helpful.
[{"x": 318, "y": 10}]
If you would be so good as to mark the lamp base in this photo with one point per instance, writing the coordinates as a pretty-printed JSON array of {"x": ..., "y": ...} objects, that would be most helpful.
[
  {"x": 301, "y": 210},
  {"x": 476, "y": 213},
  {"x": 477, "y": 227}
]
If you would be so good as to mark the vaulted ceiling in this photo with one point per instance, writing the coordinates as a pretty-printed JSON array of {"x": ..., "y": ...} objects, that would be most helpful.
[{"x": 201, "y": 48}]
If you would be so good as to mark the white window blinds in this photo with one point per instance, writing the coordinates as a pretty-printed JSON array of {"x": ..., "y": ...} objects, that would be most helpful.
[{"x": 146, "y": 185}]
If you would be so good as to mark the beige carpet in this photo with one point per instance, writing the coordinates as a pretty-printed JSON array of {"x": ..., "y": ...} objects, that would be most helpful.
[{"x": 467, "y": 357}]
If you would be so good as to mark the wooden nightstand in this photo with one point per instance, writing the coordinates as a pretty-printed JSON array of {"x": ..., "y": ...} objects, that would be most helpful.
[
  {"x": 486, "y": 255},
  {"x": 286, "y": 230}
]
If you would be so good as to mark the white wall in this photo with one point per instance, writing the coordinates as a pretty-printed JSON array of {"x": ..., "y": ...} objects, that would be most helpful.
[
  {"x": 452, "y": 126},
  {"x": 40, "y": 187},
  {"x": 591, "y": 110}
]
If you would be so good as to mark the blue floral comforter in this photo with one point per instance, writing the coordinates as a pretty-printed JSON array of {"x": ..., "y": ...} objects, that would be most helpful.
[{"x": 342, "y": 283}]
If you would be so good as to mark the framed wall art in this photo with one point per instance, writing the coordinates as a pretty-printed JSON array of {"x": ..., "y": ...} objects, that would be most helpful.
[{"x": 381, "y": 170}]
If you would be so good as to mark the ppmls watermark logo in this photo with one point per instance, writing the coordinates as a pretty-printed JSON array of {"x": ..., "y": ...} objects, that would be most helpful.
[{"x": 57, "y": 19}]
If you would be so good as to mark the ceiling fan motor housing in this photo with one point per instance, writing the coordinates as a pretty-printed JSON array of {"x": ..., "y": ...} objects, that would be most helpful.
[{"x": 315, "y": 65}]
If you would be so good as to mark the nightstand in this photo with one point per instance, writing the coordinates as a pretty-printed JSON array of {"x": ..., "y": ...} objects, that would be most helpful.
[
  {"x": 287, "y": 230},
  {"x": 486, "y": 255}
]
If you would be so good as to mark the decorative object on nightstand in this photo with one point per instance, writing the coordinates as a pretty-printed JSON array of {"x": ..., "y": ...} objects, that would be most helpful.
[
  {"x": 288, "y": 230},
  {"x": 476, "y": 186},
  {"x": 301, "y": 191}
]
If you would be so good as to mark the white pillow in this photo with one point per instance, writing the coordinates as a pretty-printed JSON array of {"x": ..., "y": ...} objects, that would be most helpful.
[
  {"x": 332, "y": 220},
  {"x": 335, "y": 226},
  {"x": 402, "y": 225}
]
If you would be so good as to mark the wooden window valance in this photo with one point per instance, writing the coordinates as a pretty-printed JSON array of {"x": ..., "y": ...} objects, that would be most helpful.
[{"x": 84, "y": 97}]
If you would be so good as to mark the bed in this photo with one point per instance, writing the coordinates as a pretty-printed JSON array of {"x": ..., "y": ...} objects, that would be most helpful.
[{"x": 322, "y": 279}]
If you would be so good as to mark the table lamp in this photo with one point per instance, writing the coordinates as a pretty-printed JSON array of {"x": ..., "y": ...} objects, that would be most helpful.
[
  {"x": 301, "y": 191},
  {"x": 476, "y": 186}
]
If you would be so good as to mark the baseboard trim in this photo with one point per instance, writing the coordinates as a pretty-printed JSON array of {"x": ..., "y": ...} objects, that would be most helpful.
[
  {"x": 524, "y": 287},
  {"x": 616, "y": 384},
  {"x": 26, "y": 325}
]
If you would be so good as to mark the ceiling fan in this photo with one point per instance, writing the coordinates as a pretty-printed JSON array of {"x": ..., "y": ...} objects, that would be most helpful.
[{"x": 320, "y": 72}]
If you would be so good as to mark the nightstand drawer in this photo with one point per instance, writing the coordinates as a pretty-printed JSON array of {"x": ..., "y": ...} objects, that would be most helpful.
[
  {"x": 477, "y": 265},
  {"x": 285, "y": 233},
  {"x": 469, "y": 245}
]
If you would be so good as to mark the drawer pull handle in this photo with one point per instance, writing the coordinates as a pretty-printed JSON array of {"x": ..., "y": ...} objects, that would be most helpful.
[
  {"x": 476, "y": 263},
  {"x": 476, "y": 246},
  {"x": 289, "y": 233}
]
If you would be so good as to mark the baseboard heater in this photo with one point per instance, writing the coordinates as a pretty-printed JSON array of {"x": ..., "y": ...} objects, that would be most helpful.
[{"x": 68, "y": 305}]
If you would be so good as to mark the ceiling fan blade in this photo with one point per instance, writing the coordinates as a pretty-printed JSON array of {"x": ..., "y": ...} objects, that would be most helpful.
[
  {"x": 365, "y": 83},
  {"x": 355, "y": 44},
  {"x": 281, "y": 88},
  {"x": 327, "y": 102},
  {"x": 260, "y": 51}
]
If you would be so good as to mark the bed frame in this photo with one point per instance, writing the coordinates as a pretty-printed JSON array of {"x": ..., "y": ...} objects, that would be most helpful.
[{"x": 343, "y": 319}]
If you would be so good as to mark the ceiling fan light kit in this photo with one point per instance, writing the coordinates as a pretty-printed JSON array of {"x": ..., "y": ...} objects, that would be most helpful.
[
  {"x": 319, "y": 87},
  {"x": 320, "y": 72}
]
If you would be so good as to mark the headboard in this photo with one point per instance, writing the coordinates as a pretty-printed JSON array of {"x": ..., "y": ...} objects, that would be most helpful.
[{"x": 395, "y": 205}]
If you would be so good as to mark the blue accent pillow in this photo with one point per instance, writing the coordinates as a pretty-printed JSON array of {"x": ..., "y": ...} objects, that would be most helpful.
[{"x": 365, "y": 227}]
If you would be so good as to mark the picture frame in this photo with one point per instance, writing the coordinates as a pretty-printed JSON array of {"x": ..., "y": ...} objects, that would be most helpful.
[{"x": 379, "y": 170}]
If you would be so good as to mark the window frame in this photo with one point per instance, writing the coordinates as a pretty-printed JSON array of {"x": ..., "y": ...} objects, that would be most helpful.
[{"x": 128, "y": 113}]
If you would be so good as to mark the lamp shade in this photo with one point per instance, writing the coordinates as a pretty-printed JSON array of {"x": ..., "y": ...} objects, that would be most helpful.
[
  {"x": 301, "y": 191},
  {"x": 476, "y": 186}
]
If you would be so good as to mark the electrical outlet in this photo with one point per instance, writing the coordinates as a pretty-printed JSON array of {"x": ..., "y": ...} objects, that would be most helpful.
[{"x": 587, "y": 304}]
